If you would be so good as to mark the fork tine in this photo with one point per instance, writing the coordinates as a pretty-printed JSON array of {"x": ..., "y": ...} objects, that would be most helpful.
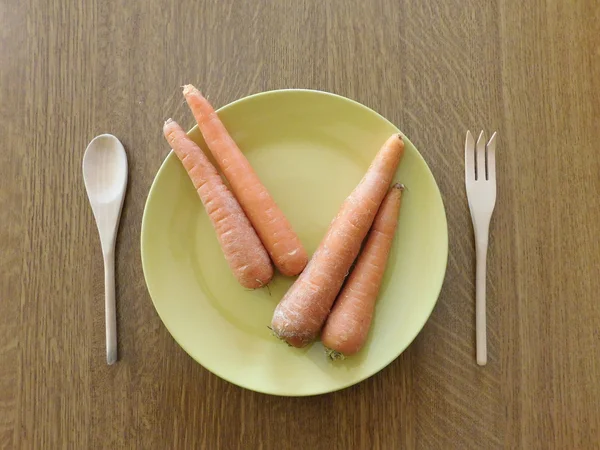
[
  {"x": 469, "y": 156},
  {"x": 491, "y": 157},
  {"x": 480, "y": 158}
]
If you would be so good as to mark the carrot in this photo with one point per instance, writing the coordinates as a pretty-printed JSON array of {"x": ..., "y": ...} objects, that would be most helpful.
[
  {"x": 241, "y": 246},
  {"x": 347, "y": 326},
  {"x": 302, "y": 311},
  {"x": 273, "y": 228}
]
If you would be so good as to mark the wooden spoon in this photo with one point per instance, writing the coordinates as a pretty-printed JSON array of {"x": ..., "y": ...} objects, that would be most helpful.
[{"x": 105, "y": 178}]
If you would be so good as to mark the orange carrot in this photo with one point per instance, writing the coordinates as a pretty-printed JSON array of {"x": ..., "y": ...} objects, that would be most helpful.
[
  {"x": 241, "y": 246},
  {"x": 302, "y": 311},
  {"x": 347, "y": 326},
  {"x": 268, "y": 220}
]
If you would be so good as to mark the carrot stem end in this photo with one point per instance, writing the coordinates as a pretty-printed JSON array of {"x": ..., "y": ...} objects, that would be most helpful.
[{"x": 334, "y": 355}]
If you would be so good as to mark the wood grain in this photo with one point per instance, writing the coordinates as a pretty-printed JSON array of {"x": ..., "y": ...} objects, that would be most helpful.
[{"x": 531, "y": 70}]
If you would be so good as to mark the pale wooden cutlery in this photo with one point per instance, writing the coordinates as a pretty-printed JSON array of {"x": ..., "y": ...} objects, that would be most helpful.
[
  {"x": 105, "y": 177},
  {"x": 480, "y": 182}
]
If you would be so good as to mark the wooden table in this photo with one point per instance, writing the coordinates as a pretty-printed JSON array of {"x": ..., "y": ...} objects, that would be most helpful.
[{"x": 530, "y": 70}]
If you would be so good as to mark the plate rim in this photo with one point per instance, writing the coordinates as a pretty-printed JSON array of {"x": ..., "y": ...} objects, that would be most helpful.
[{"x": 345, "y": 385}]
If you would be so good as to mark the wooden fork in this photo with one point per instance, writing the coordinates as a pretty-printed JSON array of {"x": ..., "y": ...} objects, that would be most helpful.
[{"x": 480, "y": 183}]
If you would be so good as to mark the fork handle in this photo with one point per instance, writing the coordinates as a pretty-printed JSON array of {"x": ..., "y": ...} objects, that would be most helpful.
[{"x": 480, "y": 308}]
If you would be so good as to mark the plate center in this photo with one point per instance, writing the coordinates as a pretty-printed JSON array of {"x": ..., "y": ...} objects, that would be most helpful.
[{"x": 309, "y": 195}]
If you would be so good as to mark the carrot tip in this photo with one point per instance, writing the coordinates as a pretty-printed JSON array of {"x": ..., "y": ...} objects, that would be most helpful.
[
  {"x": 399, "y": 186},
  {"x": 334, "y": 355},
  {"x": 189, "y": 88}
]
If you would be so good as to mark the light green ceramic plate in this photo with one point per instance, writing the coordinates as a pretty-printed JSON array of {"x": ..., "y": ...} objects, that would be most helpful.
[{"x": 310, "y": 149}]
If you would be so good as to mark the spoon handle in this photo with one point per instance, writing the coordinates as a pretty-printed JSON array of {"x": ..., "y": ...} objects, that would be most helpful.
[{"x": 110, "y": 308}]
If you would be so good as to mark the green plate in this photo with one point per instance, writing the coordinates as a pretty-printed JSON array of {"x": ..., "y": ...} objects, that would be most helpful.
[{"x": 310, "y": 149}]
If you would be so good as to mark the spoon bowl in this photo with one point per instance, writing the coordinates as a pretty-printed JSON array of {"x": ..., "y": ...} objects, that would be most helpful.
[
  {"x": 106, "y": 152},
  {"x": 105, "y": 179}
]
